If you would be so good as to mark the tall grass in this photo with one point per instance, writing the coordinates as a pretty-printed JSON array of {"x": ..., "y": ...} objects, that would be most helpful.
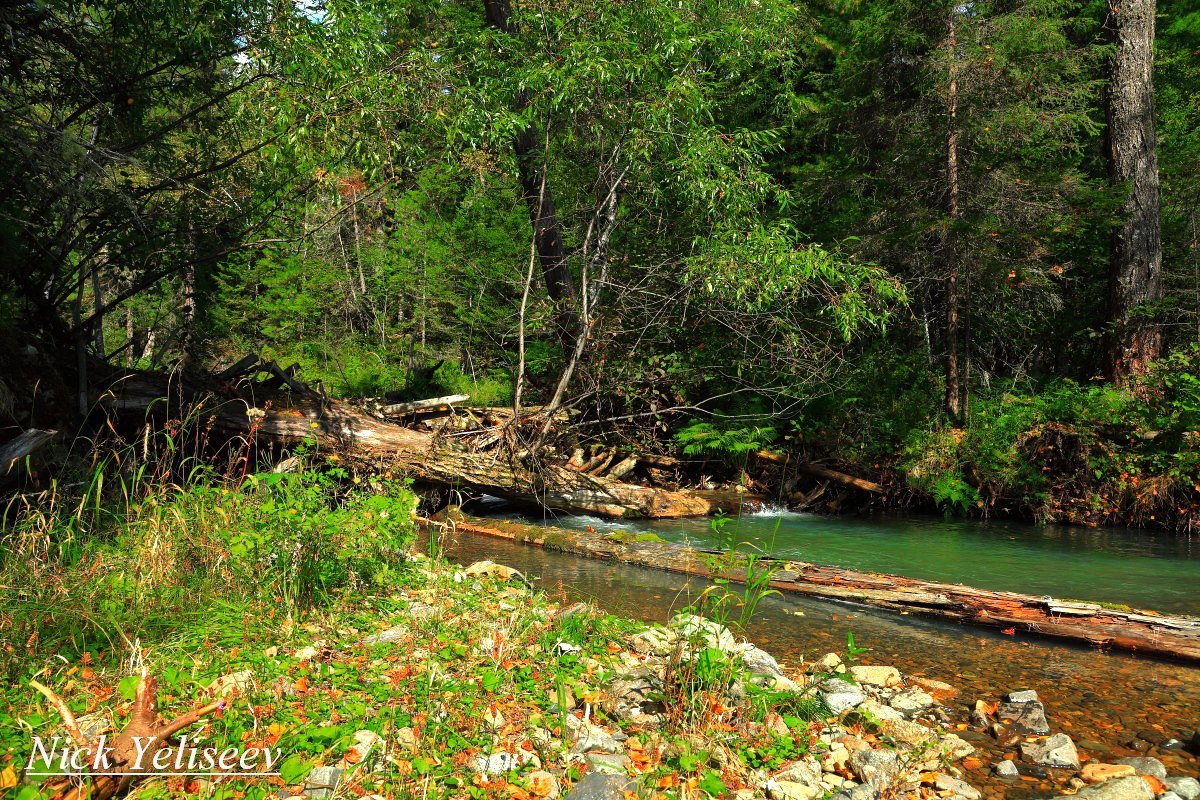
[{"x": 152, "y": 541}]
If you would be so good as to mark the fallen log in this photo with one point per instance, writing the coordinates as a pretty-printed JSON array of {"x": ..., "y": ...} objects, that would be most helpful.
[
  {"x": 818, "y": 471},
  {"x": 432, "y": 404},
  {"x": 25, "y": 444},
  {"x": 347, "y": 430},
  {"x": 1145, "y": 633}
]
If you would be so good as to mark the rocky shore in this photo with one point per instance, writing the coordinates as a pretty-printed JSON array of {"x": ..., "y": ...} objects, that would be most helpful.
[{"x": 465, "y": 682}]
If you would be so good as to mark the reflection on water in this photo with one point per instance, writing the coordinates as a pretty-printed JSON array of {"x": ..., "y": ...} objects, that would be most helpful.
[
  {"x": 1138, "y": 568},
  {"x": 1101, "y": 700}
]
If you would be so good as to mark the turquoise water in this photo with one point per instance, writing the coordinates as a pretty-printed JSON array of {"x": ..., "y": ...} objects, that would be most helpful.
[{"x": 1140, "y": 568}]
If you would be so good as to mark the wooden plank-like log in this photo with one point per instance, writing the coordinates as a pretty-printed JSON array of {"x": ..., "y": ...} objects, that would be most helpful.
[
  {"x": 431, "y": 404},
  {"x": 1142, "y": 632},
  {"x": 13, "y": 452}
]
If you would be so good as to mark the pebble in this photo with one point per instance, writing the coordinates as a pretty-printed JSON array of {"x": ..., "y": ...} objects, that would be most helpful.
[{"x": 1006, "y": 769}]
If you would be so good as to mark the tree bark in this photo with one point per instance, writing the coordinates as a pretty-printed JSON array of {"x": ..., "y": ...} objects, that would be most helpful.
[
  {"x": 543, "y": 216},
  {"x": 954, "y": 383},
  {"x": 1135, "y": 267}
]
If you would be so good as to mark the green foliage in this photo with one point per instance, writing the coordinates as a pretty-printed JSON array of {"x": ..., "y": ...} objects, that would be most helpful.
[{"x": 736, "y": 442}]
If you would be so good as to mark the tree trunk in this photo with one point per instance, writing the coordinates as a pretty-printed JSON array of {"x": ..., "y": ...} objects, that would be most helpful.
[
  {"x": 954, "y": 383},
  {"x": 1135, "y": 268},
  {"x": 543, "y": 216}
]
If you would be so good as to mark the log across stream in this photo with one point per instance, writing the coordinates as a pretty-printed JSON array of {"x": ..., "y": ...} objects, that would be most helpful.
[{"x": 1143, "y": 632}]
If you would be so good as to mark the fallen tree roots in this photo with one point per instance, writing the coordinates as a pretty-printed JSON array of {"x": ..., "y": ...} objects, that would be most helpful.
[
  {"x": 1134, "y": 631},
  {"x": 427, "y": 457},
  {"x": 129, "y": 757}
]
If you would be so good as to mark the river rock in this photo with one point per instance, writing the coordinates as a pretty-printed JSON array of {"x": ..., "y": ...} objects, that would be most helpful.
[
  {"x": 843, "y": 700},
  {"x": 607, "y": 763},
  {"x": 1099, "y": 773},
  {"x": 879, "y": 712},
  {"x": 830, "y": 662},
  {"x": 322, "y": 782},
  {"x": 1006, "y": 769},
  {"x": 598, "y": 786},
  {"x": 954, "y": 747},
  {"x": 906, "y": 731},
  {"x": 543, "y": 784},
  {"x": 878, "y": 769},
  {"x": 882, "y": 677},
  {"x": 501, "y": 762},
  {"x": 860, "y": 792},
  {"x": 1146, "y": 766},
  {"x": 490, "y": 569},
  {"x": 800, "y": 772},
  {"x": 1023, "y": 696},
  {"x": 634, "y": 696},
  {"x": 1187, "y": 788},
  {"x": 959, "y": 788},
  {"x": 911, "y": 701},
  {"x": 1058, "y": 751},
  {"x": 653, "y": 641},
  {"x": 790, "y": 790},
  {"x": 1116, "y": 789},
  {"x": 586, "y": 737},
  {"x": 1028, "y": 715},
  {"x": 712, "y": 634}
]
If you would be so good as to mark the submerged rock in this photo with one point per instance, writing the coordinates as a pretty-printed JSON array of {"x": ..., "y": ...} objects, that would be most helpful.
[
  {"x": 1116, "y": 789},
  {"x": 1029, "y": 715},
  {"x": 1099, "y": 773},
  {"x": 1058, "y": 751},
  {"x": 1146, "y": 766},
  {"x": 1186, "y": 788}
]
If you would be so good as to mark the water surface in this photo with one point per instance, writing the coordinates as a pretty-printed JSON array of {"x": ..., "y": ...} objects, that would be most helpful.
[{"x": 1142, "y": 569}]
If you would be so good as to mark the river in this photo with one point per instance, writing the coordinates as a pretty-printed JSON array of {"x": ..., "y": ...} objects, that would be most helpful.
[{"x": 1113, "y": 705}]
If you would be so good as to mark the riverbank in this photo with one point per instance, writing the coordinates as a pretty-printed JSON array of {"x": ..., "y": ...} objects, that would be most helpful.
[{"x": 464, "y": 682}]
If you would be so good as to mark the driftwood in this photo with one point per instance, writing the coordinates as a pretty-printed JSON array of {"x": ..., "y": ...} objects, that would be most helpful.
[
  {"x": 350, "y": 431},
  {"x": 115, "y": 767},
  {"x": 1141, "y": 632},
  {"x": 432, "y": 404},
  {"x": 13, "y": 452}
]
